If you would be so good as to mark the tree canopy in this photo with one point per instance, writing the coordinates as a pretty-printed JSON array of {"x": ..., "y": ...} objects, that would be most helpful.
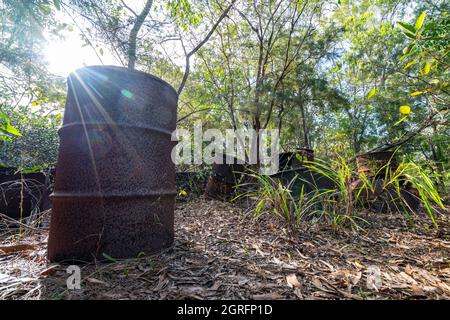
[{"x": 342, "y": 77}]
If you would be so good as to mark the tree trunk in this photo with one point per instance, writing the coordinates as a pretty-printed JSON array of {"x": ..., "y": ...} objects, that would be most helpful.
[
  {"x": 132, "y": 40},
  {"x": 305, "y": 129},
  {"x": 438, "y": 163}
]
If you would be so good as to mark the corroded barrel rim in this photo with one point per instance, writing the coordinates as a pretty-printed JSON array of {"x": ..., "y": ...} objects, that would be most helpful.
[{"x": 123, "y": 69}]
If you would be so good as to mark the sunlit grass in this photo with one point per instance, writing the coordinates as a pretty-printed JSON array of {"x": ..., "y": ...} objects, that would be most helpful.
[{"x": 341, "y": 206}]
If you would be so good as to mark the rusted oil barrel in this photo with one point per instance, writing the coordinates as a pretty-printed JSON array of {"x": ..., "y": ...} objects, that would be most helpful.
[
  {"x": 305, "y": 154},
  {"x": 376, "y": 163},
  {"x": 294, "y": 160},
  {"x": 114, "y": 188},
  {"x": 225, "y": 177},
  {"x": 386, "y": 198},
  {"x": 303, "y": 178},
  {"x": 22, "y": 194}
]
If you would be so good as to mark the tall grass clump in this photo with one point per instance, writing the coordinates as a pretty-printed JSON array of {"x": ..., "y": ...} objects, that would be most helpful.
[
  {"x": 414, "y": 177},
  {"x": 275, "y": 198},
  {"x": 405, "y": 188},
  {"x": 338, "y": 205},
  {"x": 398, "y": 189}
]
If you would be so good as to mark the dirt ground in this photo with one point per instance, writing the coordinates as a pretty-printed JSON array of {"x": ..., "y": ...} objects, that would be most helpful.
[{"x": 221, "y": 252}]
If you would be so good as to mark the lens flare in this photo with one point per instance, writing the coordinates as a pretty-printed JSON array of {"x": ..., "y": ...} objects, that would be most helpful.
[{"x": 127, "y": 94}]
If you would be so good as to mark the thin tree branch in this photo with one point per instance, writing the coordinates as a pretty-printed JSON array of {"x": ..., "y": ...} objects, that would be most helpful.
[
  {"x": 193, "y": 51},
  {"x": 129, "y": 9}
]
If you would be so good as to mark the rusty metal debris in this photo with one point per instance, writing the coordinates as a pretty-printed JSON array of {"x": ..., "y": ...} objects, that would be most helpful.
[
  {"x": 376, "y": 166},
  {"x": 225, "y": 177},
  {"x": 376, "y": 163},
  {"x": 22, "y": 194},
  {"x": 295, "y": 159},
  {"x": 294, "y": 174},
  {"x": 386, "y": 198},
  {"x": 303, "y": 179},
  {"x": 115, "y": 184}
]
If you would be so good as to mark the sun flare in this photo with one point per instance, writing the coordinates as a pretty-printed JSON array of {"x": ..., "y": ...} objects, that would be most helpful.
[{"x": 68, "y": 54}]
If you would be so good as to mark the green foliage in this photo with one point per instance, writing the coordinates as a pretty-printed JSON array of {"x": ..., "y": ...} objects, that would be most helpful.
[
  {"x": 420, "y": 20},
  {"x": 341, "y": 206},
  {"x": 420, "y": 180},
  {"x": 38, "y": 143},
  {"x": 371, "y": 93},
  {"x": 347, "y": 199},
  {"x": 21, "y": 27},
  {"x": 428, "y": 52},
  {"x": 6, "y": 129},
  {"x": 185, "y": 14},
  {"x": 272, "y": 197},
  {"x": 334, "y": 84}
]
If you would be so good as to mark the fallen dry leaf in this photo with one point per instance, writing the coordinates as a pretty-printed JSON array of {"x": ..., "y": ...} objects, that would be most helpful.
[
  {"x": 268, "y": 296},
  {"x": 298, "y": 293},
  {"x": 96, "y": 281},
  {"x": 292, "y": 281}
]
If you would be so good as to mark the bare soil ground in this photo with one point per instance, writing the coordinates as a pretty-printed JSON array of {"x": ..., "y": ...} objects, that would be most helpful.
[{"x": 220, "y": 252}]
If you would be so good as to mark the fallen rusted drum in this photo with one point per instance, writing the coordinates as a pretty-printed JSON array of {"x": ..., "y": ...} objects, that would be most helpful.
[
  {"x": 376, "y": 163},
  {"x": 303, "y": 181},
  {"x": 386, "y": 198},
  {"x": 218, "y": 189},
  {"x": 225, "y": 177},
  {"x": 305, "y": 154},
  {"x": 288, "y": 160},
  {"x": 22, "y": 194},
  {"x": 114, "y": 188},
  {"x": 294, "y": 160}
]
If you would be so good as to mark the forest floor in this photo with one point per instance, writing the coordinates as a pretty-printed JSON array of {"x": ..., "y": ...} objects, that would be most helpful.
[{"x": 220, "y": 252}]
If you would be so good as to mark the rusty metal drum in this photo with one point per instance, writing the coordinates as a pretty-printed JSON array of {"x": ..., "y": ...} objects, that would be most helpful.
[
  {"x": 115, "y": 187},
  {"x": 376, "y": 164},
  {"x": 227, "y": 173}
]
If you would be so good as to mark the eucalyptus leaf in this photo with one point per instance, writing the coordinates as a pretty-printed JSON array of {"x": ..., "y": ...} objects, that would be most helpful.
[
  {"x": 407, "y": 27},
  {"x": 371, "y": 93},
  {"x": 419, "y": 21}
]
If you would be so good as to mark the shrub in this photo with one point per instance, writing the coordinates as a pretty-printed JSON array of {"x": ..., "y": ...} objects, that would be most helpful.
[{"x": 38, "y": 143}]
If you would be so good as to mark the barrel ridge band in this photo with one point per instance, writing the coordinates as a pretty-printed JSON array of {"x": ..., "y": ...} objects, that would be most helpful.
[
  {"x": 112, "y": 195},
  {"x": 121, "y": 125}
]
